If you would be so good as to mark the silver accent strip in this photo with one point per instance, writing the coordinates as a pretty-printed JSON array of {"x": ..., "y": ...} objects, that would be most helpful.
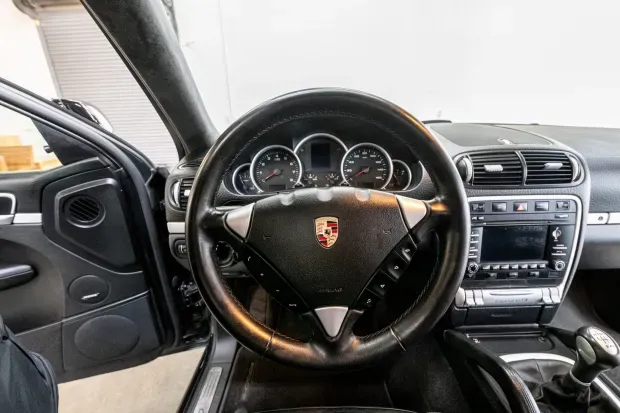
[
  {"x": 408, "y": 171},
  {"x": 320, "y": 135},
  {"x": 13, "y": 201},
  {"x": 175, "y": 193},
  {"x": 239, "y": 219},
  {"x": 372, "y": 145},
  {"x": 30, "y": 218},
  {"x": 208, "y": 390},
  {"x": 234, "y": 177},
  {"x": 331, "y": 318},
  {"x": 513, "y": 296},
  {"x": 459, "y": 300},
  {"x": 176, "y": 227},
  {"x": 598, "y": 218},
  {"x": 552, "y": 165},
  {"x": 413, "y": 210},
  {"x": 598, "y": 383},
  {"x": 493, "y": 168},
  {"x": 569, "y": 264},
  {"x": 576, "y": 168},
  {"x": 265, "y": 149},
  {"x": 6, "y": 219},
  {"x": 614, "y": 218}
]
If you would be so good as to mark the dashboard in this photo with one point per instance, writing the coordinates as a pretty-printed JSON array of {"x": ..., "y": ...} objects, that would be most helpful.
[{"x": 322, "y": 159}]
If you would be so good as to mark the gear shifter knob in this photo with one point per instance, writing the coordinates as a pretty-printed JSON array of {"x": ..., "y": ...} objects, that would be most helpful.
[{"x": 597, "y": 352}]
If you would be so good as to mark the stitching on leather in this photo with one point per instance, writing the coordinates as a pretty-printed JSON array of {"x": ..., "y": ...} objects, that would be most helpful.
[{"x": 325, "y": 113}]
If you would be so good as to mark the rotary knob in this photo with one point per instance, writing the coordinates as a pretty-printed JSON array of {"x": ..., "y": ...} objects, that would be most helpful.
[
  {"x": 558, "y": 265},
  {"x": 472, "y": 268}
]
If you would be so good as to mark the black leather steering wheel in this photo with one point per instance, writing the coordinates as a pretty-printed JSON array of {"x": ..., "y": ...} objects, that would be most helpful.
[{"x": 324, "y": 284}]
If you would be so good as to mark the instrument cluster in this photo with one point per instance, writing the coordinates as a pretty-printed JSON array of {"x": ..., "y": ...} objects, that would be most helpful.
[{"x": 323, "y": 160}]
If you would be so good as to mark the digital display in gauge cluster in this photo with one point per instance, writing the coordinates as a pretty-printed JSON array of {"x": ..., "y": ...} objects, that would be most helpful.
[{"x": 323, "y": 160}]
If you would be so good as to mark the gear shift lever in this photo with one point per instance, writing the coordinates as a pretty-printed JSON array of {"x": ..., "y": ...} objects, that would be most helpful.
[{"x": 597, "y": 352}]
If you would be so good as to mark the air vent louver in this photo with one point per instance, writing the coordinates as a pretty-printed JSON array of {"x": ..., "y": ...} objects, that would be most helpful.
[
  {"x": 83, "y": 210},
  {"x": 496, "y": 169},
  {"x": 184, "y": 190},
  {"x": 548, "y": 168}
]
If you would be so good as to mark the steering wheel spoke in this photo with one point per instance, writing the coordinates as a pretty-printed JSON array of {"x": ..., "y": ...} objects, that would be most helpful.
[
  {"x": 229, "y": 226},
  {"x": 333, "y": 325}
]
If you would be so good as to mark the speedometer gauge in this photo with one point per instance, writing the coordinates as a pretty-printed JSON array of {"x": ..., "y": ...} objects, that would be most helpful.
[
  {"x": 275, "y": 168},
  {"x": 367, "y": 165}
]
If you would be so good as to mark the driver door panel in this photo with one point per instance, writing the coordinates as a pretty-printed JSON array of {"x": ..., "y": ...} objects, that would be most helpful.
[{"x": 84, "y": 297}]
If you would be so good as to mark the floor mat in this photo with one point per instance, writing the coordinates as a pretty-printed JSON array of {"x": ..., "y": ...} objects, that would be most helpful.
[{"x": 258, "y": 384}]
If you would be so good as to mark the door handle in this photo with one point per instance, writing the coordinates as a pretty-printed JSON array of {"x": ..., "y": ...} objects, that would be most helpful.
[{"x": 12, "y": 275}]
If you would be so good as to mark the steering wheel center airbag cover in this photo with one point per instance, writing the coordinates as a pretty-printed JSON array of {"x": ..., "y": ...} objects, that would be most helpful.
[{"x": 370, "y": 225}]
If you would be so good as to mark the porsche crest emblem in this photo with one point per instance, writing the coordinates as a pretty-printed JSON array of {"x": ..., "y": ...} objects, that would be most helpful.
[{"x": 326, "y": 229}]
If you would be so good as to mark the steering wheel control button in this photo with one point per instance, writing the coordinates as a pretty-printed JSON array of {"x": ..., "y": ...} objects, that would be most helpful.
[
  {"x": 367, "y": 300},
  {"x": 406, "y": 248},
  {"x": 380, "y": 283},
  {"x": 395, "y": 266},
  {"x": 268, "y": 278}
]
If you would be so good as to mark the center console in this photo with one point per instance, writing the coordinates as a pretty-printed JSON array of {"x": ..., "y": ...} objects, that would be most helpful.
[{"x": 521, "y": 252}]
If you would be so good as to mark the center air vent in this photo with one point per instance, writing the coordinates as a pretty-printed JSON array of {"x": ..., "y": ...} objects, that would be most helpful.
[
  {"x": 496, "y": 169},
  {"x": 83, "y": 210},
  {"x": 549, "y": 168}
]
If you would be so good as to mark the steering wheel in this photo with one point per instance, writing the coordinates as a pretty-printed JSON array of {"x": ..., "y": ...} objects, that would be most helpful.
[{"x": 278, "y": 240}]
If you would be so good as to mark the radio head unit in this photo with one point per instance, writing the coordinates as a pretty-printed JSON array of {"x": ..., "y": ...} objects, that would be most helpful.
[{"x": 520, "y": 242}]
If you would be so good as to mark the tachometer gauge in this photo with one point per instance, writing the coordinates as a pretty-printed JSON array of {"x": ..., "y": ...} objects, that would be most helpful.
[
  {"x": 242, "y": 181},
  {"x": 367, "y": 165},
  {"x": 275, "y": 168},
  {"x": 401, "y": 176}
]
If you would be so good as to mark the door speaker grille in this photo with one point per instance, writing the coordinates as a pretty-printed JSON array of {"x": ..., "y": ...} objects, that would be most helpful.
[{"x": 83, "y": 210}]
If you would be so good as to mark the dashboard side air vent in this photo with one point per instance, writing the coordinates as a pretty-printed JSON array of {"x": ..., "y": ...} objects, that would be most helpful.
[
  {"x": 496, "y": 169},
  {"x": 184, "y": 190},
  {"x": 550, "y": 168},
  {"x": 83, "y": 210}
]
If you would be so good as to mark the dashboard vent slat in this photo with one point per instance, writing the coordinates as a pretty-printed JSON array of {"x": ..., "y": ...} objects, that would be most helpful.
[
  {"x": 548, "y": 168},
  {"x": 496, "y": 169},
  {"x": 184, "y": 190}
]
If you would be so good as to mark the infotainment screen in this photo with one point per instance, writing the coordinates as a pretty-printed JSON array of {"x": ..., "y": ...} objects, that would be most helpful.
[{"x": 514, "y": 243}]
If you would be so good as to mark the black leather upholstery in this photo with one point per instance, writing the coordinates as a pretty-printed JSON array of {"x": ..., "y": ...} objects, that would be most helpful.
[{"x": 343, "y": 409}]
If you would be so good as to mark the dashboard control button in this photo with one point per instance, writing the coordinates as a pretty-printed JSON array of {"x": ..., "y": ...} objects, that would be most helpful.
[
  {"x": 519, "y": 206},
  {"x": 474, "y": 218},
  {"x": 491, "y": 276},
  {"x": 514, "y": 266},
  {"x": 542, "y": 266},
  {"x": 533, "y": 266},
  {"x": 406, "y": 248},
  {"x": 481, "y": 218},
  {"x": 562, "y": 205},
  {"x": 180, "y": 248},
  {"x": 495, "y": 267},
  {"x": 477, "y": 207},
  {"x": 367, "y": 300},
  {"x": 395, "y": 266},
  {"x": 469, "y": 298},
  {"x": 513, "y": 274},
  {"x": 554, "y": 274},
  {"x": 541, "y": 206},
  {"x": 499, "y": 207},
  {"x": 380, "y": 283},
  {"x": 486, "y": 267},
  {"x": 561, "y": 216},
  {"x": 523, "y": 266},
  {"x": 533, "y": 274},
  {"x": 504, "y": 267}
]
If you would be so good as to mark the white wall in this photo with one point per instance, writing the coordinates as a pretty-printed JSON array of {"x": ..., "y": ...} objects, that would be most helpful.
[
  {"x": 23, "y": 62},
  {"x": 554, "y": 61}
]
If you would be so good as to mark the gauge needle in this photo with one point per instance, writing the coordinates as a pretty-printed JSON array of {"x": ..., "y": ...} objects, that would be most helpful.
[
  {"x": 363, "y": 171},
  {"x": 396, "y": 179},
  {"x": 274, "y": 173}
]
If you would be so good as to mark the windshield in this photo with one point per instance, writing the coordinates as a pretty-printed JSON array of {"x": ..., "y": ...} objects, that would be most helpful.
[{"x": 524, "y": 62}]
